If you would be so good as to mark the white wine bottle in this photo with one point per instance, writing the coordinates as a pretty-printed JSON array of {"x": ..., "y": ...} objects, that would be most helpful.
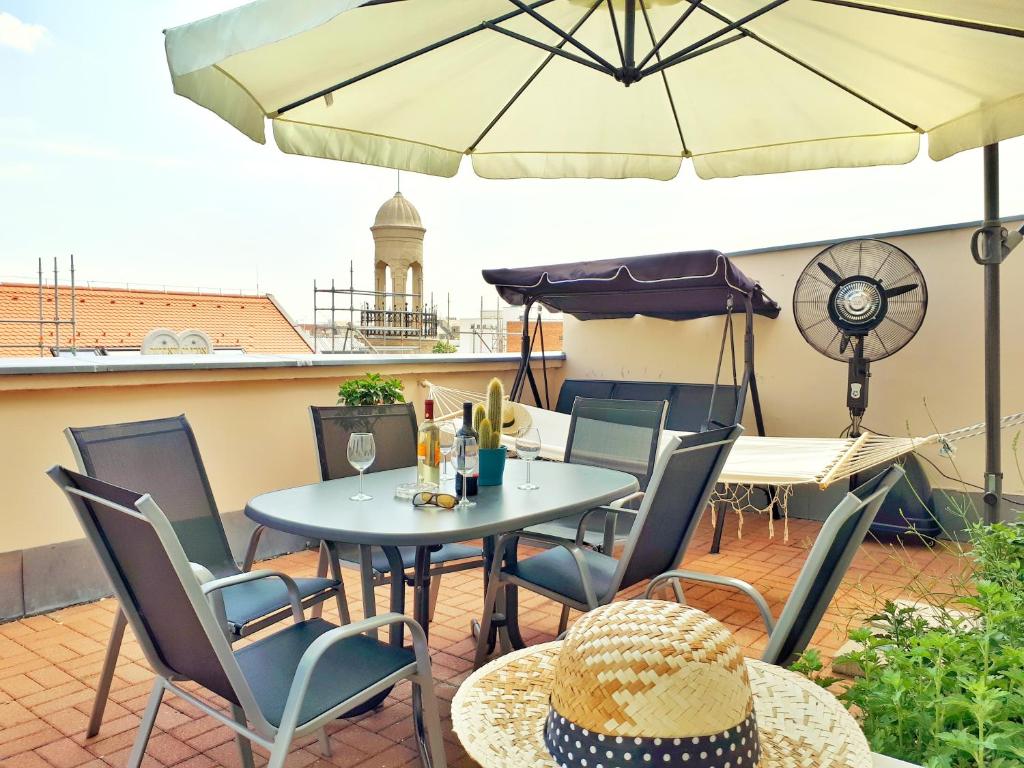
[{"x": 428, "y": 448}]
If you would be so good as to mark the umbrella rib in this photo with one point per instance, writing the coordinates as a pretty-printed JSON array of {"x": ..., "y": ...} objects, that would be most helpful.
[
  {"x": 549, "y": 48},
  {"x": 615, "y": 32},
  {"x": 566, "y": 36},
  {"x": 678, "y": 56},
  {"x": 812, "y": 69},
  {"x": 918, "y": 16},
  {"x": 529, "y": 80},
  {"x": 664, "y": 77},
  {"x": 407, "y": 57},
  {"x": 672, "y": 30}
]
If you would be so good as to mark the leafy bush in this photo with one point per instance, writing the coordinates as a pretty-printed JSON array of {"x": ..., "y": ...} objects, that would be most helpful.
[
  {"x": 946, "y": 690},
  {"x": 444, "y": 347},
  {"x": 371, "y": 389}
]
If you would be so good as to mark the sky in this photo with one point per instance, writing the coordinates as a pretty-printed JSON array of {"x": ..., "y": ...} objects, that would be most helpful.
[{"x": 100, "y": 159}]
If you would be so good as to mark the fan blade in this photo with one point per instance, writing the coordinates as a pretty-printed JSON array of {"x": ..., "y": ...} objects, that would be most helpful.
[
  {"x": 899, "y": 290},
  {"x": 844, "y": 343},
  {"x": 830, "y": 273}
]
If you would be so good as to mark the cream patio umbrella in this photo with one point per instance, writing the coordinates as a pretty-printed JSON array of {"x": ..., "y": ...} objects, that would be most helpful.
[{"x": 624, "y": 88}]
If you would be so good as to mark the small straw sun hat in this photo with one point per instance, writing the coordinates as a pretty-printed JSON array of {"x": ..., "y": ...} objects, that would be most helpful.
[
  {"x": 645, "y": 683},
  {"x": 514, "y": 418}
]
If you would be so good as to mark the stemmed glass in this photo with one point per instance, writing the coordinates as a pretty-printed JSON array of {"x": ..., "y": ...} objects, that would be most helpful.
[
  {"x": 467, "y": 458},
  {"x": 528, "y": 449},
  {"x": 361, "y": 453},
  {"x": 446, "y": 438}
]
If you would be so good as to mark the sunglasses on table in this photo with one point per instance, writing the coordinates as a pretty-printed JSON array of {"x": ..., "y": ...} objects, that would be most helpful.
[{"x": 423, "y": 498}]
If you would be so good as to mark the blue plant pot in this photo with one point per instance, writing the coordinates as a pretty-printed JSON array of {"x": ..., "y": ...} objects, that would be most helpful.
[{"x": 492, "y": 465}]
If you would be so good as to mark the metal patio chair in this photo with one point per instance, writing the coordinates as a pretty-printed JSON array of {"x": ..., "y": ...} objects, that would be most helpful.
[
  {"x": 162, "y": 456},
  {"x": 395, "y": 431},
  {"x": 582, "y": 578},
  {"x": 614, "y": 434},
  {"x": 841, "y": 536},
  {"x": 282, "y": 687}
]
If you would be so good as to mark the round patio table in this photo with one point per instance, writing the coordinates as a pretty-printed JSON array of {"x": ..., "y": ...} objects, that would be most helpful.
[{"x": 324, "y": 511}]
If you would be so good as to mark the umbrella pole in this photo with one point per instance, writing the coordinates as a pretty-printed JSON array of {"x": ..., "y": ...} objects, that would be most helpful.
[{"x": 993, "y": 256}]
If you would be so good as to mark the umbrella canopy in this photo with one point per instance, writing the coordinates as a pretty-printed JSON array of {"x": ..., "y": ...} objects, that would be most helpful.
[
  {"x": 669, "y": 286},
  {"x": 611, "y": 88}
]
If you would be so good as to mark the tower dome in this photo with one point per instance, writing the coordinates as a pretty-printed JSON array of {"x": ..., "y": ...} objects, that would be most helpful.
[{"x": 398, "y": 212}]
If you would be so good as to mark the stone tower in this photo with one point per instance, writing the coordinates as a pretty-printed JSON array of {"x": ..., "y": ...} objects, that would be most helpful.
[{"x": 398, "y": 246}]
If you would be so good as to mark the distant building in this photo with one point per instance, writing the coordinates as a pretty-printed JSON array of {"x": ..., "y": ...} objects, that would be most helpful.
[
  {"x": 117, "y": 320},
  {"x": 552, "y": 335}
]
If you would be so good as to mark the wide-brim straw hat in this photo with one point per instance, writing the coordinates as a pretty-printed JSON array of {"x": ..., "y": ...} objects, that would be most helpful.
[
  {"x": 650, "y": 683},
  {"x": 514, "y": 418}
]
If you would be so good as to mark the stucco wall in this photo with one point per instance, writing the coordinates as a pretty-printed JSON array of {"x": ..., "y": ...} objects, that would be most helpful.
[{"x": 803, "y": 392}]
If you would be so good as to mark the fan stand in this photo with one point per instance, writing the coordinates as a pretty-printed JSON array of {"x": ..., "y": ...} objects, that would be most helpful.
[{"x": 857, "y": 386}]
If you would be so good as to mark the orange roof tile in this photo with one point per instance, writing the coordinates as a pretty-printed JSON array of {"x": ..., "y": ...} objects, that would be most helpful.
[{"x": 113, "y": 318}]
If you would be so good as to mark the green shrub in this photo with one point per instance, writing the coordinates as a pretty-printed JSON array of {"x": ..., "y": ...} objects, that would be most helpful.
[
  {"x": 444, "y": 347},
  {"x": 371, "y": 389},
  {"x": 948, "y": 691}
]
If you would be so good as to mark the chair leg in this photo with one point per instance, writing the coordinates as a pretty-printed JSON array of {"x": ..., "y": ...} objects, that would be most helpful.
[
  {"x": 563, "y": 619},
  {"x": 325, "y": 742},
  {"x": 250, "y": 551},
  {"x": 244, "y": 745},
  {"x": 435, "y": 587},
  {"x": 279, "y": 754},
  {"x": 490, "y": 600},
  {"x": 99, "y": 703},
  {"x": 321, "y": 573},
  {"x": 427, "y": 723},
  {"x": 677, "y": 591},
  {"x": 146, "y": 726}
]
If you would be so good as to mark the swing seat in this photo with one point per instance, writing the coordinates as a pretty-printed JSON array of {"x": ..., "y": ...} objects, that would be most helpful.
[{"x": 688, "y": 404}]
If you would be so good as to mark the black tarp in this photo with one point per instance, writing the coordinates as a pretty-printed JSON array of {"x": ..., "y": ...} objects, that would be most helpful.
[{"x": 670, "y": 286}]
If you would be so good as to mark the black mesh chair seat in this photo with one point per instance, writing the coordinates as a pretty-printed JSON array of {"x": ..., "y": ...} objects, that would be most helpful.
[
  {"x": 350, "y": 666},
  {"x": 555, "y": 570},
  {"x": 244, "y": 603}
]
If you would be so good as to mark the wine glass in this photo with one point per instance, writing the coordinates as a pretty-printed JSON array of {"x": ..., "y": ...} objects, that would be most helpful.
[
  {"x": 467, "y": 458},
  {"x": 361, "y": 453},
  {"x": 446, "y": 438},
  {"x": 528, "y": 449}
]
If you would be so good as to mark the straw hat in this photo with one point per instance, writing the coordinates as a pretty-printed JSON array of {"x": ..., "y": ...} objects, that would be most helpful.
[
  {"x": 514, "y": 418},
  {"x": 650, "y": 683}
]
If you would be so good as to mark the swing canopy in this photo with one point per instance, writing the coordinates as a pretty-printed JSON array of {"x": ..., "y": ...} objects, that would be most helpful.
[{"x": 668, "y": 286}]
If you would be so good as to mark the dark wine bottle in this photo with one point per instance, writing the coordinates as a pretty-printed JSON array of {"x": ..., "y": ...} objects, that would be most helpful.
[{"x": 466, "y": 430}]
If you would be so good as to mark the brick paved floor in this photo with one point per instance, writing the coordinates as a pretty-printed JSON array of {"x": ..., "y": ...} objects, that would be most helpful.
[{"x": 49, "y": 663}]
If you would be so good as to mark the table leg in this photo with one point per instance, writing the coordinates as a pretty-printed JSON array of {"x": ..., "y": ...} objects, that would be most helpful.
[
  {"x": 511, "y": 609},
  {"x": 397, "y": 637},
  {"x": 421, "y": 589},
  {"x": 716, "y": 542},
  {"x": 366, "y": 583}
]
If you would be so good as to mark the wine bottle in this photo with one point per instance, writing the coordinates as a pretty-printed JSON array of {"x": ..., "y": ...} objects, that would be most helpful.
[
  {"x": 428, "y": 448},
  {"x": 466, "y": 430}
]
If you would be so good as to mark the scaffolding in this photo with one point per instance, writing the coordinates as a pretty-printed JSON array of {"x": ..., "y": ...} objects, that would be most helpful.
[
  {"x": 368, "y": 325},
  {"x": 41, "y": 320}
]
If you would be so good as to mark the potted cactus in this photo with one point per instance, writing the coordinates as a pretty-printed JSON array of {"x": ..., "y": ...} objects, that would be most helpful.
[{"x": 487, "y": 423}]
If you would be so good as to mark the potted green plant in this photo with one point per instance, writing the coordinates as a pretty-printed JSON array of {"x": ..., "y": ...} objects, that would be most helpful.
[
  {"x": 487, "y": 423},
  {"x": 371, "y": 389}
]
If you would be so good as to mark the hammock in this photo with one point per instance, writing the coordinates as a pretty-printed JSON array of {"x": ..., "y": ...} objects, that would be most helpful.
[{"x": 768, "y": 466}]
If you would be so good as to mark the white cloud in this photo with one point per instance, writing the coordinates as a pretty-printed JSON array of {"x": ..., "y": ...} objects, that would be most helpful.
[{"x": 19, "y": 35}]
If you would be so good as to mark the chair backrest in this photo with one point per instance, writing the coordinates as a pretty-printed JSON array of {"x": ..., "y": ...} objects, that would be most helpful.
[
  {"x": 616, "y": 434},
  {"x": 838, "y": 541},
  {"x": 688, "y": 404},
  {"x": 393, "y": 427},
  {"x": 161, "y": 456},
  {"x": 684, "y": 478},
  {"x": 155, "y": 584}
]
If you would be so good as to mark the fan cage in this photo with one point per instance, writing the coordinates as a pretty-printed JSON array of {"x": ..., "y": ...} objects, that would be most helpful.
[{"x": 891, "y": 266}]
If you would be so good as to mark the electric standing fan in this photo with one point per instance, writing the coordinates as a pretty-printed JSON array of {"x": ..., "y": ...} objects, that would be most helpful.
[{"x": 860, "y": 301}]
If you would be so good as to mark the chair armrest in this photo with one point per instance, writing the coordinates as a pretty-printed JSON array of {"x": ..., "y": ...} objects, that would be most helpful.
[
  {"x": 722, "y": 581},
  {"x": 316, "y": 650},
  {"x": 620, "y": 504},
  {"x": 611, "y": 513},
  {"x": 574, "y": 549},
  {"x": 230, "y": 581}
]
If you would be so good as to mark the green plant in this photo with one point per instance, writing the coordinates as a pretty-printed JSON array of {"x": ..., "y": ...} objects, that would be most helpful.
[
  {"x": 479, "y": 414},
  {"x": 946, "y": 689},
  {"x": 811, "y": 666},
  {"x": 444, "y": 347},
  {"x": 495, "y": 402},
  {"x": 488, "y": 439},
  {"x": 371, "y": 389}
]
